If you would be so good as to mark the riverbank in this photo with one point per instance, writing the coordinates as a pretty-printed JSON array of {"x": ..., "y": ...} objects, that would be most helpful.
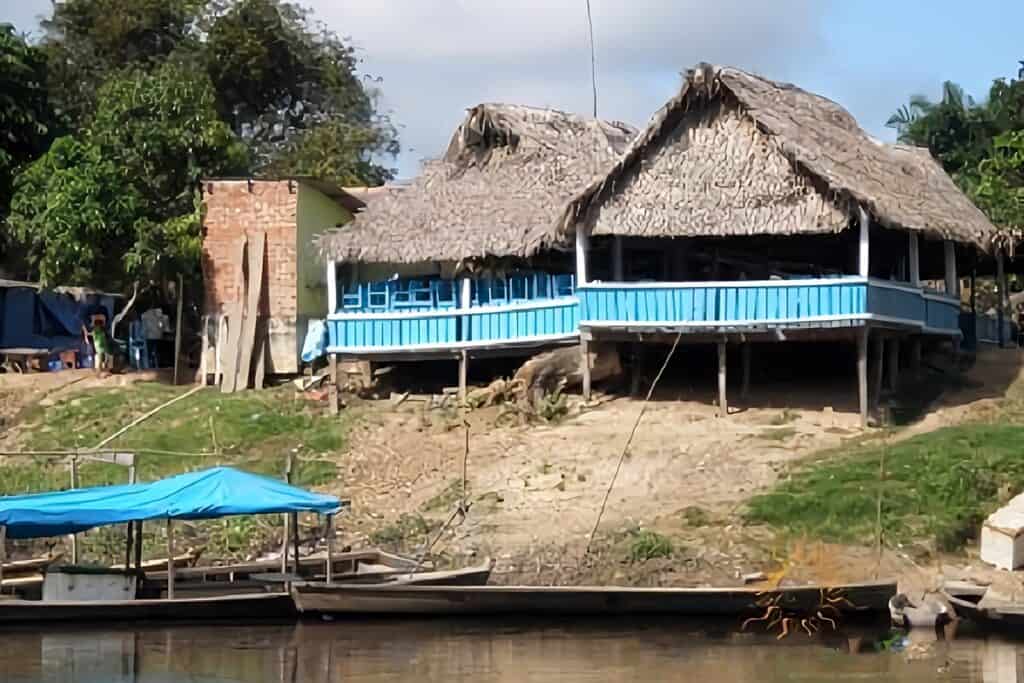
[{"x": 791, "y": 493}]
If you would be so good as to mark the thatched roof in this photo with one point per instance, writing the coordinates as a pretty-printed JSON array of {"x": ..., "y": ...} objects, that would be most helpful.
[
  {"x": 498, "y": 190},
  {"x": 737, "y": 154}
]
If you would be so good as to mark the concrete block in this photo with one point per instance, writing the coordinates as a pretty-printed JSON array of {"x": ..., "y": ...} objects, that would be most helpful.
[{"x": 1002, "y": 537}]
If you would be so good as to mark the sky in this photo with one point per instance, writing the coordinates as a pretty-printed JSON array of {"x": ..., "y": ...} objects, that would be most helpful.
[{"x": 433, "y": 59}]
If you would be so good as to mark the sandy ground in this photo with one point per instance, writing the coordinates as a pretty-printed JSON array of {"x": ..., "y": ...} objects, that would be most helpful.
[{"x": 536, "y": 491}]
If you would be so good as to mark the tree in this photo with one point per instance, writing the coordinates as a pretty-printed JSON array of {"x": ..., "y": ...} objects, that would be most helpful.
[
  {"x": 26, "y": 119},
  {"x": 152, "y": 138},
  {"x": 290, "y": 90},
  {"x": 74, "y": 214},
  {"x": 87, "y": 41}
]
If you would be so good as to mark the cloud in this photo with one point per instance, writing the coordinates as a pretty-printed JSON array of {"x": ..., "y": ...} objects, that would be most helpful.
[{"x": 438, "y": 57}]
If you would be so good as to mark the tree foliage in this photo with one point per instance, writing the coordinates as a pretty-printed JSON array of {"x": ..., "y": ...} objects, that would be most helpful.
[
  {"x": 26, "y": 119},
  {"x": 980, "y": 144},
  {"x": 74, "y": 214},
  {"x": 154, "y": 95}
]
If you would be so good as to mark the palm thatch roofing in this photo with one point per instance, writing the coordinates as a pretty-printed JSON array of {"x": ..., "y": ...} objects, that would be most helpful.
[
  {"x": 737, "y": 154},
  {"x": 498, "y": 191}
]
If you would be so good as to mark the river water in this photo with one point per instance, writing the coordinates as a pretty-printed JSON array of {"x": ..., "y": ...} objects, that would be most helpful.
[{"x": 482, "y": 652}]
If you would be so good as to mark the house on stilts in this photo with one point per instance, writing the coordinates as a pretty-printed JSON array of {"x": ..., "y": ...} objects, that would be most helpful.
[
  {"x": 463, "y": 261},
  {"x": 772, "y": 216}
]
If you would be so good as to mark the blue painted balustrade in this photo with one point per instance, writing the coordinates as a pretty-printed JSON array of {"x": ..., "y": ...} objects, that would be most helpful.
[
  {"x": 702, "y": 304},
  {"x": 436, "y": 330}
]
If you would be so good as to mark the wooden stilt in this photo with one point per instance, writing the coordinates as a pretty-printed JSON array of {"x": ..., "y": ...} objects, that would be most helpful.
[
  {"x": 618, "y": 272},
  {"x": 463, "y": 376},
  {"x": 892, "y": 364},
  {"x": 915, "y": 357},
  {"x": 877, "y": 361},
  {"x": 745, "y": 388},
  {"x": 333, "y": 363},
  {"x": 637, "y": 357},
  {"x": 289, "y": 462},
  {"x": 585, "y": 366},
  {"x": 723, "y": 401},
  {"x": 329, "y": 569},
  {"x": 862, "y": 374},
  {"x": 170, "y": 559}
]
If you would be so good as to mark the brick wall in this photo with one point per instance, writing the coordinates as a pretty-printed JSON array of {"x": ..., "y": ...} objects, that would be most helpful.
[{"x": 231, "y": 211}]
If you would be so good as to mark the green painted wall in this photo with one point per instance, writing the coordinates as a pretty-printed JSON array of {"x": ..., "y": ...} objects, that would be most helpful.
[{"x": 315, "y": 214}]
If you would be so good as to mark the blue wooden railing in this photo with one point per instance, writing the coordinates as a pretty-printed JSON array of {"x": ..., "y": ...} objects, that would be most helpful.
[
  {"x": 530, "y": 323},
  {"x": 703, "y": 305},
  {"x": 504, "y": 320}
]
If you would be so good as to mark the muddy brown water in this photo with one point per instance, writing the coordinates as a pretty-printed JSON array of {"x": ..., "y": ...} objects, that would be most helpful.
[{"x": 427, "y": 651}]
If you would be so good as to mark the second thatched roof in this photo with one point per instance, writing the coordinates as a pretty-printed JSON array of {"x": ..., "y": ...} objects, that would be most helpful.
[
  {"x": 498, "y": 191},
  {"x": 737, "y": 154}
]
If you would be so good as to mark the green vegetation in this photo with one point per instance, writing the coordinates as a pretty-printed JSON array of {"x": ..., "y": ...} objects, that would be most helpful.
[
  {"x": 113, "y": 116},
  {"x": 937, "y": 486},
  {"x": 647, "y": 545},
  {"x": 980, "y": 144},
  {"x": 776, "y": 433},
  {"x": 696, "y": 516},
  {"x": 408, "y": 530},
  {"x": 785, "y": 417},
  {"x": 255, "y": 431},
  {"x": 445, "y": 500}
]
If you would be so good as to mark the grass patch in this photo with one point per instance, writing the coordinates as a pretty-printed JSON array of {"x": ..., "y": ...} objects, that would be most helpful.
[
  {"x": 406, "y": 530},
  {"x": 937, "y": 487},
  {"x": 777, "y": 434},
  {"x": 445, "y": 500},
  {"x": 696, "y": 516},
  {"x": 784, "y": 418},
  {"x": 254, "y": 431},
  {"x": 647, "y": 545}
]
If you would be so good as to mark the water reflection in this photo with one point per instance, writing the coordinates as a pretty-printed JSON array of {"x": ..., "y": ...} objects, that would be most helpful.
[{"x": 426, "y": 651}]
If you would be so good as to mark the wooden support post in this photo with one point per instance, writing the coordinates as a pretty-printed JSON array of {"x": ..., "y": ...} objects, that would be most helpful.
[
  {"x": 218, "y": 353},
  {"x": 177, "y": 331},
  {"x": 332, "y": 360},
  {"x": 877, "y": 361},
  {"x": 915, "y": 260},
  {"x": 745, "y": 388},
  {"x": 289, "y": 463},
  {"x": 952, "y": 280},
  {"x": 3, "y": 553},
  {"x": 892, "y": 364},
  {"x": 204, "y": 366},
  {"x": 915, "y": 357},
  {"x": 295, "y": 541},
  {"x": 129, "y": 545},
  {"x": 864, "y": 243},
  {"x": 170, "y": 559},
  {"x": 138, "y": 545},
  {"x": 463, "y": 376},
  {"x": 585, "y": 366},
  {"x": 862, "y": 374},
  {"x": 329, "y": 531},
  {"x": 332, "y": 287},
  {"x": 1001, "y": 291},
  {"x": 618, "y": 270},
  {"x": 723, "y": 401},
  {"x": 74, "y": 485},
  {"x": 582, "y": 246}
]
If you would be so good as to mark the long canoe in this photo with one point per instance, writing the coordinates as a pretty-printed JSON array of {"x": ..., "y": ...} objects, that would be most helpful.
[
  {"x": 865, "y": 598},
  {"x": 225, "y": 607}
]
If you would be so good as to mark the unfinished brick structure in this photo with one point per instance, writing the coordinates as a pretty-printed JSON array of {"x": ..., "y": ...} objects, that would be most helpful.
[{"x": 290, "y": 212}]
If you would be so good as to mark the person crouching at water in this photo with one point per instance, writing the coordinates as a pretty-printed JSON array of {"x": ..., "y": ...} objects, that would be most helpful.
[{"x": 97, "y": 338}]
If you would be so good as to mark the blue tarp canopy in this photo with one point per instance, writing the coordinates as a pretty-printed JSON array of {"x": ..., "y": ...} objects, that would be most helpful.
[{"x": 216, "y": 492}]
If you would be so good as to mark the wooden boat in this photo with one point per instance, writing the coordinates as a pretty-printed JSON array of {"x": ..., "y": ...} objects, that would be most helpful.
[
  {"x": 411, "y": 599},
  {"x": 225, "y": 607},
  {"x": 965, "y": 598},
  {"x": 315, "y": 592}
]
